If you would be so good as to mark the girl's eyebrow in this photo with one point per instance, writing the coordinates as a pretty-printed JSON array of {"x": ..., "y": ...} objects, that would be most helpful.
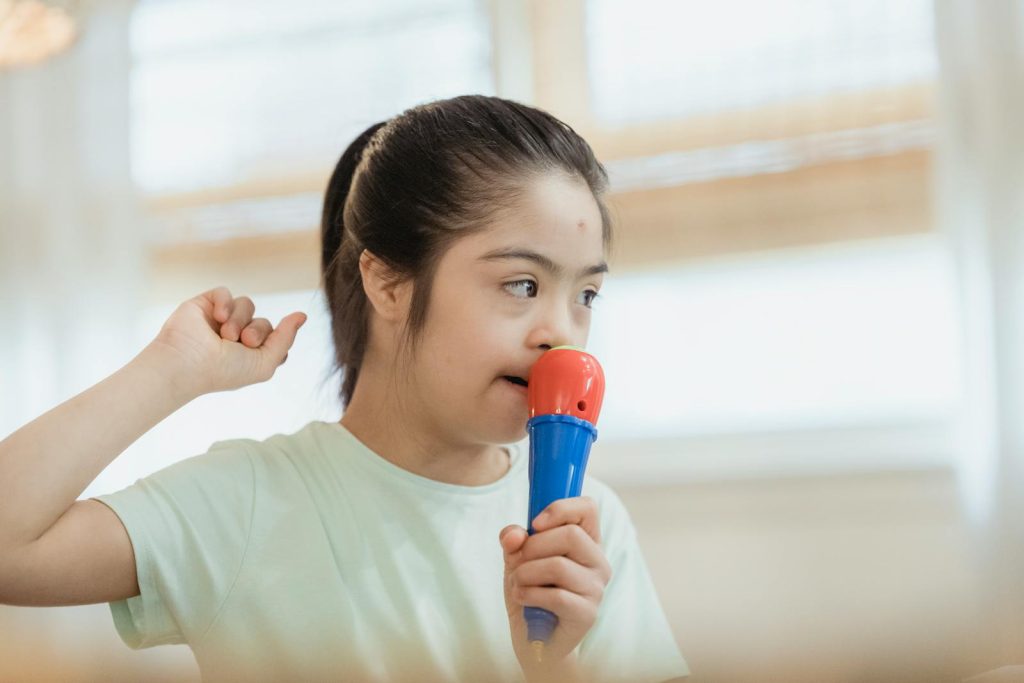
[{"x": 540, "y": 259}]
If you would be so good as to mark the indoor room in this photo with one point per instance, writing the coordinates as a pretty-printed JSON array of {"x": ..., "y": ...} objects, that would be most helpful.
[{"x": 810, "y": 331}]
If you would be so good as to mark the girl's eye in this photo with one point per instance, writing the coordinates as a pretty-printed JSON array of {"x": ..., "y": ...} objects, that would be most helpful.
[
  {"x": 527, "y": 287},
  {"x": 589, "y": 296}
]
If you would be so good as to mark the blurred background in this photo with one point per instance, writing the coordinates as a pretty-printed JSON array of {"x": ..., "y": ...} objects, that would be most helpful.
[{"x": 813, "y": 331}]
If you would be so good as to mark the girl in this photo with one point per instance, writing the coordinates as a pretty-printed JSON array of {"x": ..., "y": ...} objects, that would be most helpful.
[{"x": 461, "y": 239}]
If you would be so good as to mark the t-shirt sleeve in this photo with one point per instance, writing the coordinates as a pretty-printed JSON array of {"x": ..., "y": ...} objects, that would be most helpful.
[
  {"x": 189, "y": 527},
  {"x": 631, "y": 639}
]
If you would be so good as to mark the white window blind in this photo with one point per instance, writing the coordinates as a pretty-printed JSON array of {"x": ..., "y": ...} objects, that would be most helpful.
[
  {"x": 652, "y": 60},
  {"x": 229, "y": 92},
  {"x": 808, "y": 338}
]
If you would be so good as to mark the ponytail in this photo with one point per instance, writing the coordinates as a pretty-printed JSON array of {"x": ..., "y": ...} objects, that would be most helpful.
[{"x": 339, "y": 264}]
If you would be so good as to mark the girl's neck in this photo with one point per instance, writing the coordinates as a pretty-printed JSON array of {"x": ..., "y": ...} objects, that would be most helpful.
[{"x": 405, "y": 437}]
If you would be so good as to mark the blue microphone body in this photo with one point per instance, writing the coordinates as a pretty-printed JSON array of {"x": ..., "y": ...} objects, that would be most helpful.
[{"x": 559, "y": 449}]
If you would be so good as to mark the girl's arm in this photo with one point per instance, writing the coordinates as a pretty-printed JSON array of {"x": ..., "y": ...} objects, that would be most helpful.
[{"x": 56, "y": 551}]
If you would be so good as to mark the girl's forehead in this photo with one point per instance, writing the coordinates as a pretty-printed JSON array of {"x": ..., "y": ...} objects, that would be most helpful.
[
  {"x": 553, "y": 213},
  {"x": 555, "y": 222},
  {"x": 555, "y": 199},
  {"x": 557, "y": 246}
]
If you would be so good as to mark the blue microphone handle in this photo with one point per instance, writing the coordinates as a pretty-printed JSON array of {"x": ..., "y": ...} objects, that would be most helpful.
[{"x": 559, "y": 448}]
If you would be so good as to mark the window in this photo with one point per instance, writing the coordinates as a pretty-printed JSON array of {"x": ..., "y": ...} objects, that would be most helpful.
[
  {"x": 794, "y": 343},
  {"x": 229, "y": 92},
  {"x": 795, "y": 339},
  {"x": 651, "y": 60}
]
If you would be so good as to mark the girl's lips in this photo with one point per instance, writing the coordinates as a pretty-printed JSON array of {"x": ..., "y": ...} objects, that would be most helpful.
[{"x": 518, "y": 387}]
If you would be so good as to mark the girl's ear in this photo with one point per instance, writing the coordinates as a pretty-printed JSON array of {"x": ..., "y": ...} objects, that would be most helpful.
[{"x": 387, "y": 292}]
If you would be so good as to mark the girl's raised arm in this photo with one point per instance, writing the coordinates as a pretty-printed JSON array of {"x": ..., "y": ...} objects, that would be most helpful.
[{"x": 56, "y": 551}]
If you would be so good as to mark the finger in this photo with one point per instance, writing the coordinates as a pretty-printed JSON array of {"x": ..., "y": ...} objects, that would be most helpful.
[
  {"x": 581, "y": 510},
  {"x": 560, "y": 572},
  {"x": 220, "y": 298},
  {"x": 241, "y": 315},
  {"x": 566, "y": 604},
  {"x": 255, "y": 332},
  {"x": 569, "y": 540},
  {"x": 275, "y": 347},
  {"x": 512, "y": 538}
]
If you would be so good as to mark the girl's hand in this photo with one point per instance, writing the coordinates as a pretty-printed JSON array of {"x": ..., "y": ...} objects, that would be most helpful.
[
  {"x": 561, "y": 568},
  {"x": 216, "y": 344}
]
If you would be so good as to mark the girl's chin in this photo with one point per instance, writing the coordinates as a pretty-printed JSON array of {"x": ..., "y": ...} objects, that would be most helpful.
[{"x": 511, "y": 412}]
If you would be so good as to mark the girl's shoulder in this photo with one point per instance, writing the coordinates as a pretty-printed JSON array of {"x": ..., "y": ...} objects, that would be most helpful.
[
  {"x": 235, "y": 464},
  {"x": 287, "y": 449}
]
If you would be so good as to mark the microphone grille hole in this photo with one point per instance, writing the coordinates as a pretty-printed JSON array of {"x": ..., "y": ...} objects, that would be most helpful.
[{"x": 582, "y": 405}]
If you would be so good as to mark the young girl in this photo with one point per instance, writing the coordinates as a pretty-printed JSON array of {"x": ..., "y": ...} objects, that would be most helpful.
[{"x": 461, "y": 240}]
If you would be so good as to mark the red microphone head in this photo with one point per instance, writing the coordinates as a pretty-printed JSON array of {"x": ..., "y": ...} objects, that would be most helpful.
[{"x": 566, "y": 381}]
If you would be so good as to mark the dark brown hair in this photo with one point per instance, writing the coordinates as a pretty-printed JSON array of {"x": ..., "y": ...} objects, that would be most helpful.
[{"x": 406, "y": 188}]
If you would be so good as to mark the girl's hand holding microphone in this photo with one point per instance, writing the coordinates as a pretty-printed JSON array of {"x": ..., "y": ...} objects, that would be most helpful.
[
  {"x": 562, "y": 568},
  {"x": 215, "y": 343}
]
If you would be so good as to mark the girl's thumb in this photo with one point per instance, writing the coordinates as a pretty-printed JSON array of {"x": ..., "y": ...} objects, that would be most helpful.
[
  {"x": 507, "y": 538},
  {"x": 281, "y": 339}
]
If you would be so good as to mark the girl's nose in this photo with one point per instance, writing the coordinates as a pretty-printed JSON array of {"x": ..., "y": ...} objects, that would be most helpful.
[{"x": 553, "y": 329}]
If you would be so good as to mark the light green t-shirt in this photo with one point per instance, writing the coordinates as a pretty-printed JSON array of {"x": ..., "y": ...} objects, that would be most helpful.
[{"x": 306, "y": 556}]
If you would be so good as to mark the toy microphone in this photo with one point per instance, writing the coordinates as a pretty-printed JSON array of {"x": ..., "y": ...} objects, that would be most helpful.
[{"x": 564, "y": 392}]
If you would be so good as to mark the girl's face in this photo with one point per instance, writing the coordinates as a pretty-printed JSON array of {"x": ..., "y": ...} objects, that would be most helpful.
[{"x": 501, "y": 297}]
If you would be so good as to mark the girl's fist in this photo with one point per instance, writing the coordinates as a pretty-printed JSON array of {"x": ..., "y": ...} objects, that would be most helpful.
[
  {"x": 561, "y": 568},
  {"x": 217, "y": 344}
]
